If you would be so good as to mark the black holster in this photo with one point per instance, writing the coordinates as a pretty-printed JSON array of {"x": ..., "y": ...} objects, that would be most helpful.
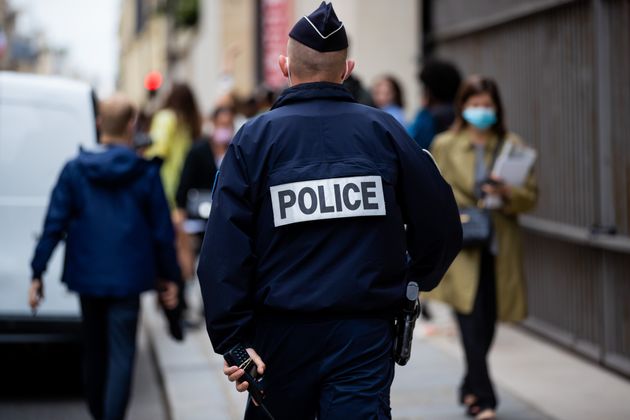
[{"x": 404, "y": 324}]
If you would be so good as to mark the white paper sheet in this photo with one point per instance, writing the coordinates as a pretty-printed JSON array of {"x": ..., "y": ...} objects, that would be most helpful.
[{"x": 514, "y": 163}]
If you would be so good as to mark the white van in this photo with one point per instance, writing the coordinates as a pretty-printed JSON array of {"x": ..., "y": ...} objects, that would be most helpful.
[{"x": 43, "y": 121}]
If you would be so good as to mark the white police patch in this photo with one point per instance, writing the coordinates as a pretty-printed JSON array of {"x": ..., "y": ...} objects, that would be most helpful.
[{"x": 327, "y": 199}]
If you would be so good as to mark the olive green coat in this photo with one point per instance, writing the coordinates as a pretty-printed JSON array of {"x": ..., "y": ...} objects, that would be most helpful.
[{"x": 455, "y": 156}]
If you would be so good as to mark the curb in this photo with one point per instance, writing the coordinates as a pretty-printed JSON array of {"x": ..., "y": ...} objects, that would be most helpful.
[{"x": 191, "y": 375}]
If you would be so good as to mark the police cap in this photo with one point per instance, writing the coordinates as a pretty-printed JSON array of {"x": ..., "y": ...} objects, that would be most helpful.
[{"x": 321, "y": 30}]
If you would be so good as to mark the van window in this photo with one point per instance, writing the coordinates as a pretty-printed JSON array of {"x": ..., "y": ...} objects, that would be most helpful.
[{"x": 36, "y": 139}]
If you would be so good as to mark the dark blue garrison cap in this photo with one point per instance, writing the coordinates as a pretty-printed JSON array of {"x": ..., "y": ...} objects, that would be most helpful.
[{"x": 321, "y": 30}]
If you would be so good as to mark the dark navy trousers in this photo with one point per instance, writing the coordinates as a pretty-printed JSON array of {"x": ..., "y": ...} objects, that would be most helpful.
[
  {"x": 325, "y": 369},
  {"x": 109, "y": 327}
]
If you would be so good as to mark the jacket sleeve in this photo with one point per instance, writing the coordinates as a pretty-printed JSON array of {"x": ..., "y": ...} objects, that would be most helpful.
[
  {"x": 434, "y": 231},
  {"x": 55, "y": 224},
  {"x": 227, "y": 263},
  {"x": 162, "y": 230},
  {"x": 522, "y": 199},
  {"x": 422, "y": 129}
]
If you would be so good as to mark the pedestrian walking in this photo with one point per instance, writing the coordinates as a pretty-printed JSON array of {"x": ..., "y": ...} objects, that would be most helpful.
[
  {"x": 485, "y": 282},
  {"x": 440, "y": 81},
  {"x": 306, "y": 258},
  {"x": 109, "y": 205},
  {"x": 199, "y": 172},
  {"x": 387, "y": 94},
  {"x": 173, "y": 130}
]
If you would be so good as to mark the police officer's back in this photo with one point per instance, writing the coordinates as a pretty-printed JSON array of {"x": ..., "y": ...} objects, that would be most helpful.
[{"x": 305, "y": 257}]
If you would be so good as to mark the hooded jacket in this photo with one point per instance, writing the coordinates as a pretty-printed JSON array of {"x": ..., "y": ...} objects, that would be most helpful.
[{"x": 110, "y": 207}]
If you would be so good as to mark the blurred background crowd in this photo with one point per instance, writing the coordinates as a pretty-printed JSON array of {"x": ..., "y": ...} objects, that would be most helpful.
[
  {"x": 562, "y": 66},
  {"x": 199, "y": 69}
]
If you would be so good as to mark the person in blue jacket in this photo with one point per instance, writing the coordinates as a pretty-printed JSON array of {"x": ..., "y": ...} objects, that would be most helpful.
[
  {"x": 110, "y": 207},
  {"x": 323, "y": 210},
  {"x": 440, "y": 82}
]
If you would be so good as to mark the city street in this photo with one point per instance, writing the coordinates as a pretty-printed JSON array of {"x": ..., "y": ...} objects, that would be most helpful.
[
  {"x": 536, "y": 381},
  {"x": 59, "y": 398},
  {"x": 193, "y": 386},
  {"x": 294, "y": 176}
]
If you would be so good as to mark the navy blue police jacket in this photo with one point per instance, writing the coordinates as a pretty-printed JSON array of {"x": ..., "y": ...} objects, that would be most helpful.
[
  {"x": 322, "y": 206},
  {"x": 109, "y": 206}
]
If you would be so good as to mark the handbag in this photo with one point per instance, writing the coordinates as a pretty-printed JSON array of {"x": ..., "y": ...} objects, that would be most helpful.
[
  {"x": 476, "y": 227},
  {"x": 476, "y": 221}
]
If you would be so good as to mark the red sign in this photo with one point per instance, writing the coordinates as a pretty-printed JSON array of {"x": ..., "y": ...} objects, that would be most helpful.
[{"x": 276, "y": 23}]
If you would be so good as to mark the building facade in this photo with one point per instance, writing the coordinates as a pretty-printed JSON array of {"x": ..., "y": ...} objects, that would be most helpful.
[
  {"x": 28, "y": 53},
  {"x": 143, "y": 34},
  {"x": 235, "y": 44}
]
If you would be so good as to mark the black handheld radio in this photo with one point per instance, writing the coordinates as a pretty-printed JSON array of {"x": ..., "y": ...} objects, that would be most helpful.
[
  {"x": 405, "y": 324},
  {"x": 238, "y": 356}
]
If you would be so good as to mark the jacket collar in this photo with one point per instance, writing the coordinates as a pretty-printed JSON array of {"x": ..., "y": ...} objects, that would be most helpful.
[{"x": 313, "y": 91}]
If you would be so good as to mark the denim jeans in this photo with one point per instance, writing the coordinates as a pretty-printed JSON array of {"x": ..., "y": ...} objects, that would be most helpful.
[{"x": 109, "y": 328}]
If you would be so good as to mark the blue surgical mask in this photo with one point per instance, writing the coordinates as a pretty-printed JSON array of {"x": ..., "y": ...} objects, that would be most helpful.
[{"x": 480, "y": 117}]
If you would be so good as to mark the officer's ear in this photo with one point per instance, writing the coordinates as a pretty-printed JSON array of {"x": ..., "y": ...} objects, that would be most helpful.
[
  {"x": 348, "y": 71},
  {"x": 283, "y": 62}
]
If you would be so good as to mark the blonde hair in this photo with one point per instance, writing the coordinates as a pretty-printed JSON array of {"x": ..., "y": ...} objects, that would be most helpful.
[{"x": 115, "y": 113}]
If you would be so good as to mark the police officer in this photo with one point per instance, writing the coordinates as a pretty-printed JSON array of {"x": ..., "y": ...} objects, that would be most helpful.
[{"x": 323, "y": 210}]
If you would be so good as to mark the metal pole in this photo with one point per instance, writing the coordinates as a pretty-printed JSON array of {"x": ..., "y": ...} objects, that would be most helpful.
[
  {"x": 606, "y": 220},
  {"x": 601, "y": 17}
]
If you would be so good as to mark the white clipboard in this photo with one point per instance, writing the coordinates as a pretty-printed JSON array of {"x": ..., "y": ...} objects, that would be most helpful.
[{"x": 514, "y": 163}]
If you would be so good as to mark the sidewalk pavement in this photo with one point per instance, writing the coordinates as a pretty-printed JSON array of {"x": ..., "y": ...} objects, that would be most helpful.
[
  {"x": 147, "y": 402},
  {"x": 535, "y": 380}
]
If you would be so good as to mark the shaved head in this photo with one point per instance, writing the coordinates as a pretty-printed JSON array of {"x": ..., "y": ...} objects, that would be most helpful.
[
  {"x": 115, "y": 115},
  {"x": 308, "y": 64}
]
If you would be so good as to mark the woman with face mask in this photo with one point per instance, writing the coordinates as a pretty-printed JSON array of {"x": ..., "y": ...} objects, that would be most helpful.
[
  {"x": 222, "y": 136},
  {"x": 485, "y": 282},
  {"x": 204, "y": 158},
  {"x": 192, "y": 197}
]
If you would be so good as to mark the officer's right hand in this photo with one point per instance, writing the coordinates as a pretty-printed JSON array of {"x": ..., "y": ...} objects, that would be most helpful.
[{"x": 234, "y": 373}]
